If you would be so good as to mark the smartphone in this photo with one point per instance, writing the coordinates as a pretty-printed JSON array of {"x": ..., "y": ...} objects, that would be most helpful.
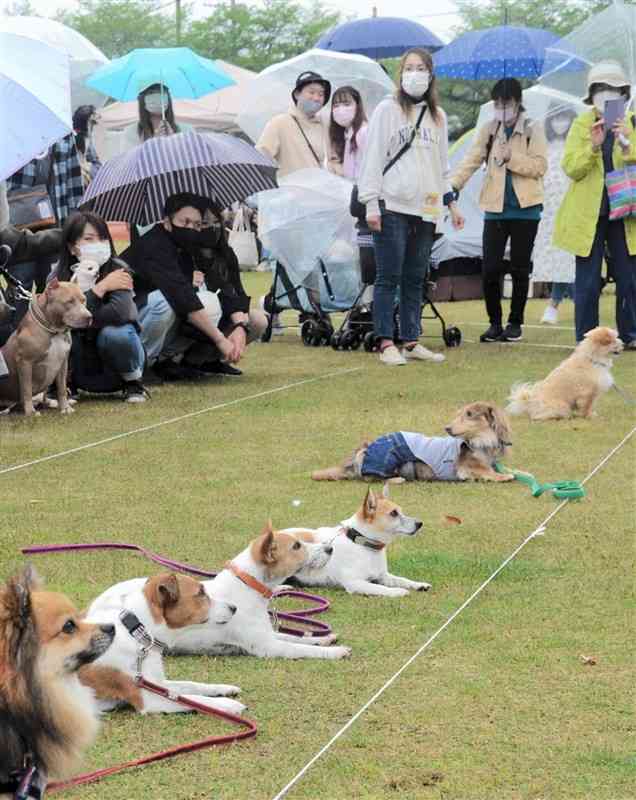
[{"x": 614, "y": 110}]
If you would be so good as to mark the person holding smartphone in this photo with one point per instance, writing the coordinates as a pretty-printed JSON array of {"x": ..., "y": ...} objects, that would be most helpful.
[{"x": 583, "y": 227}]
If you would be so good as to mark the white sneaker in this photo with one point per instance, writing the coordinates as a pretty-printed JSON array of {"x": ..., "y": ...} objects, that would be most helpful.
[
  {"x": 420, "y": 353},
  {"x": 392, "y": 357},
  {"x": 550, "y": 315}
]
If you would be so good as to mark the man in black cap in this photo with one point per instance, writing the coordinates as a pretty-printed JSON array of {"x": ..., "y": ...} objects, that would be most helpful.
[{"x": 296, "y": 140}]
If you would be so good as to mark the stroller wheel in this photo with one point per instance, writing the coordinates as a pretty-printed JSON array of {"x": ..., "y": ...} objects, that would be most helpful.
[
  {"x": 351, "y": 340},
  {"x": 452, "y": 337},
  {"x": 335, "y": 341},
  {"x": 308, "y": 332},
  {"x": 369, "y": 342}
]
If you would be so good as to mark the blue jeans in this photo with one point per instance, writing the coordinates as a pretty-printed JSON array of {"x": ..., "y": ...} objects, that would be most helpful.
[
  {"x": 588, "y": 281},
  {"x": 560, "y": 291},
  {"x": 385, "y": 456},
  {"x": 402, "y": 256},
  {"x": 120, "y": 348}
]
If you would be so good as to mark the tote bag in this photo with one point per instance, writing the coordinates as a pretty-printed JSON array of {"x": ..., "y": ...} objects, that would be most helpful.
[{"x": 243, "y": 241}]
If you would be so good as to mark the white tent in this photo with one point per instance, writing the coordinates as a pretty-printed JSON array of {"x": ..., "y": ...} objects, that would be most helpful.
[{"x": 212, "y": 112}]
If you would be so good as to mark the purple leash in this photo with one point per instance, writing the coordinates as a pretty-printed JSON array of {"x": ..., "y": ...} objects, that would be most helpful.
[{"x": 300, "y": 617}]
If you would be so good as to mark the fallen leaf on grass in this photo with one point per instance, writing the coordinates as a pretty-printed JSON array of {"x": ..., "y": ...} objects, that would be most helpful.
[
  {"x": 449, "y": 519},
  {"x": 589, "y": 661}
]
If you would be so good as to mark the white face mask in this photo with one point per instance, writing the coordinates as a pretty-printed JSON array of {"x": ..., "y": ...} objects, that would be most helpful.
[
  {"x": 601, "y": 97},
  {"x": 98, "y": 252},
  {"x": 506, "y": 114},
  {"x": 154, "y": 103},
  {"x": 561, "y": 125},
  {"x": 416, "y": 82}
]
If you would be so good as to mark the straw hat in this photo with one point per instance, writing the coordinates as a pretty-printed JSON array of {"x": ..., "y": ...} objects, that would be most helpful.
[{"x": 608, "y": 72}]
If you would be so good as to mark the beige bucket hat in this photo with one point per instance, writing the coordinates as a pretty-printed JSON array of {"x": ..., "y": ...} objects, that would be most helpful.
[{"x": 608, "y": 72}]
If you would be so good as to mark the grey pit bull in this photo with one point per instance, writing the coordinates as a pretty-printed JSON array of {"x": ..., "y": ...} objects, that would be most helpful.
[{"x": 36, "y": 354}]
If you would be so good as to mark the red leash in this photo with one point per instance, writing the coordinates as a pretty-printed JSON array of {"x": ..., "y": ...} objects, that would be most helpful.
[
  {"x": 299, "y": 617},
  {"x": 211, "y": 741}
]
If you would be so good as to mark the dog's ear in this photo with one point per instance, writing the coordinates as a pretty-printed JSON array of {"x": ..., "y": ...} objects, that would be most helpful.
[
  {"x": 168, "y": 592},
  {"x": 264, "y": 548},
  {"x": 385, "y": 489},
  {"x": 16, "y": 618},
  {"x": 370, "y": 505},
  {"x": 604, "y": 337},
  {"x": 52, "y": 284},
  {"x": 500, "y": 425}
]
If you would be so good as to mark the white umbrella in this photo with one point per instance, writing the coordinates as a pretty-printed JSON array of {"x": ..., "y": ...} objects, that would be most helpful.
[
  {"x": 84, "y": 57},
  {"x": 270, "y": 93},
  {"x": 35, "y": 100}
]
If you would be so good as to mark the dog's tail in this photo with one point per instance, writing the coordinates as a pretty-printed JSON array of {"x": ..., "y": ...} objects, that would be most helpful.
[
  {"x": 519, "y": 399},
  {"x": 330, "y": 474}
]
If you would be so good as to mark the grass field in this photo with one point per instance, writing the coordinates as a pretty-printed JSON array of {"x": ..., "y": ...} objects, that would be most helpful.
[{"x": 501, "y": 706}]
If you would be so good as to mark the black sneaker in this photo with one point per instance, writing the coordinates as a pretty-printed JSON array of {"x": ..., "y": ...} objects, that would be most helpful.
[
  {"x": 171, "y": 371},
  {"x": 511, "y": 333},
  {"x": 135, "y": 392},
  {"x": 493, "y": 334},
  {"x": 218, "y": 368}
]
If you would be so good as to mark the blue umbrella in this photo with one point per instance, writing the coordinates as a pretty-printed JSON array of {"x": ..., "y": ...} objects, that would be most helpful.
[
  {"x": 186, "y": 74},
  {"x": 379, "y": 37},
  {"x": 504, "y": 52}
]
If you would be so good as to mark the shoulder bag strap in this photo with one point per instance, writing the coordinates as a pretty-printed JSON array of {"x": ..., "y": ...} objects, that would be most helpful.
[
  {"x": 408, "y": 144},
  {"x": 300, "y": 128}
]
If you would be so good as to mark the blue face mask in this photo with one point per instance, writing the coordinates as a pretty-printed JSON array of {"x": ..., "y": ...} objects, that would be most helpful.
[{"x": 309, "y": 107}]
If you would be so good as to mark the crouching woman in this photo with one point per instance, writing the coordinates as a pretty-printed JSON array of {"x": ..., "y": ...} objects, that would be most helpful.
[{"x": 108, "y": 356}]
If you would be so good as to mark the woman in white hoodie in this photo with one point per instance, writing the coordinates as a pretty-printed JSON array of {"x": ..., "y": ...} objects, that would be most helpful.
[{"x": 404, "y": 198}]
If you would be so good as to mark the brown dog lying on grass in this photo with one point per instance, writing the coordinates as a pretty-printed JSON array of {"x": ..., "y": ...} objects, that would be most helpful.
[
  {"x": 36, "y": 354},
  {"x": 575, "y": 385},
  {"x": 479, "y": 434}
]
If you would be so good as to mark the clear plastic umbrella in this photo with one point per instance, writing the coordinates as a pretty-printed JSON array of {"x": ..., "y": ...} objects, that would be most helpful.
[
  {"x": 270, "y": 93},
  {"x": 84, "y": 57},
  {"x": 35, "y": 104},
  {"x": 611, "y": 34}
]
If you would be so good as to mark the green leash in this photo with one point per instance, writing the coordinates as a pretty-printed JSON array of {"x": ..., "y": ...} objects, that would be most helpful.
[{"x": 561, "y": 490}]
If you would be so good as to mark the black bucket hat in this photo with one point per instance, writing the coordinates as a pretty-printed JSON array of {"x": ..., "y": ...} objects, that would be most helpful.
[{"x": 305, "y": 78}]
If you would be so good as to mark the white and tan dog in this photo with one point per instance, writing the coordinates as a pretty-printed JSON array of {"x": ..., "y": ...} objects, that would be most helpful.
[
  {"x": 575, "y": 385},
  {"x": 249, "y": 581},
  {"x": 149, "y": 615},
  {"x": 359, "y": 563}
]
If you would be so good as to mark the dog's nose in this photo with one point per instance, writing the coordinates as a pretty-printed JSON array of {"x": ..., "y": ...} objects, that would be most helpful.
[
  {"x": 418, "y": 524},
  {"x": 329, "y": 550},
  {"x": 108, "y": 629},
  {"x": 232, "y": 608},
  {"x": 447, "y": 429}
]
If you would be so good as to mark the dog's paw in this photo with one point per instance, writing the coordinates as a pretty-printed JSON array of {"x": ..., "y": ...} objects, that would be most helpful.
[
  {"x": 422, "y": 587},
  {"x": 392, "y": 591},
  {"x": 339, "y": 652},
  {"x": 227, "y": 690},
  {"x": 503, "y": 477},
  {"x": 284, "y": 587},
  {"x": 67, "y": 410},
  {"x": 219, "y": 703},
  {"x": 331, "y": 638}
]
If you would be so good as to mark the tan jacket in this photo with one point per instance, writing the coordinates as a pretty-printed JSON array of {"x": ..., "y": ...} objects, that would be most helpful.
[
  {"x": 283, "y": 141},
  {"x": 528, "y": 165}
]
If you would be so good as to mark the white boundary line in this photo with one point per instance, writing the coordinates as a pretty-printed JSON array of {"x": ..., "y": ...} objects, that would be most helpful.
[
  {"x": 523, "y": 344},
  {"x": 171, "y": 421},
  {"x": 539, "y": 531},
  {"x": 525, "y": 325}
]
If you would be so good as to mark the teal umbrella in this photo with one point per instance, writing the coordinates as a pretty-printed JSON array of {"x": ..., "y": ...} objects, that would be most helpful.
[{"x": 186, "y": 74}]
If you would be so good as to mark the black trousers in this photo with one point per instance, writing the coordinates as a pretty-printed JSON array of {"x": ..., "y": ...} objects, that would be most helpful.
[{"x": 521, "y": 233}]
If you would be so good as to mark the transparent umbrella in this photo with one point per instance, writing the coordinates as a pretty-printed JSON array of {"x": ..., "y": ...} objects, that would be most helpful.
[
  {"x": 270, "y": 93},
  {"x": 84, "y": 57}
]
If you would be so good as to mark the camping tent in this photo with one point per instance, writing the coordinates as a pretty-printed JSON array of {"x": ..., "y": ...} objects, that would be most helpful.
[{"x": 212, "y": 112}]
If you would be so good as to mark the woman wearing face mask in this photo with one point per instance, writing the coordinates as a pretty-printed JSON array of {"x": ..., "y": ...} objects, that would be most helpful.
[
  {"x": 551, "y": 264},
  {"x": 515, "y": 152},
  {"x": 404, "y": 192},
  {"x": 156, "y": 117},
  {"x": 109, "y": 356},
  {"x": 296, "y": 140},
  {"x": 84, "y": 121},
  {"x": 583, "y": 227},
  {"x": 348, "y": 130}
]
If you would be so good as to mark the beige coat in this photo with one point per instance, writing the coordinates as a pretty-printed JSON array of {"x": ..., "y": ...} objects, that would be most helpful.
[
  {"x": 528, "y": 165},
  {"x": 283, "y": 141}
]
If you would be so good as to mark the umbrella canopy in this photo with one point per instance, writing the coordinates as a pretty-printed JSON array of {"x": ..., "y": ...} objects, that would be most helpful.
[
  {"x": 186, "y": 74},
  {"x": 135, "y": 186},
  {"x": 503, "y": 52},
  {"x": 35, "y": 103},
  {"x": 84, "y": 57},
  {"x": 610, "y": 34},
  {"x": 270, "y": 93},
  {"x": 379, "y": 37}
]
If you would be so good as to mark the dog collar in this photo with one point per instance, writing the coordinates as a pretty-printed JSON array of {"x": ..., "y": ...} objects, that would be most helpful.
[
  {"x": 248, "y": 580},
  {"x": 42, "y": 321},
  {"x": 28, "y": 782},
  {"x": 138, "y": 631},
  {"x": 359, "y": 538},
  {"x": 603, "y": 364}
]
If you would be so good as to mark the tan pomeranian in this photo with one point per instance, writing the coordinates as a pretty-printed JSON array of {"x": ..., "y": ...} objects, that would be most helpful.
[
  {"x": 47, "y": 717},
  {"x": 573, "y": 388}
]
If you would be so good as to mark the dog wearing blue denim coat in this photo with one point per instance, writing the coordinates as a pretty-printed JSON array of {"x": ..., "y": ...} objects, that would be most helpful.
[{"x": 477, "y": 437}]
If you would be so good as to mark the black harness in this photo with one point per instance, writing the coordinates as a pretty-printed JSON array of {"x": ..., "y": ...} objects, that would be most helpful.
[{"x": 28, "y": 782}]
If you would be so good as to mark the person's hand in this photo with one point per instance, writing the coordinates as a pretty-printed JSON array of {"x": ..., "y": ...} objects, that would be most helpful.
[
  {"x": 198, "y": 278},
  {"x": 115, "y": 281},
  {"x": 238, "y": 337},
  {"x": 597, "y": 133},
  {"x": 164, "y": 128},
  {"x": 374, "y": 222},
  {"x": 227, "y": 349},
  {"x": 503, "y": 153},
  {"x": 457, "y": 218},
  {"x": 622, "y": 133}
]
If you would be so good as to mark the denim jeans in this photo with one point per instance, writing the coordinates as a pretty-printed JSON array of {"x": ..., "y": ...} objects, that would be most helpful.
[
  {"x": 560, "y": 291},
  {"x": 588, "y": 281},
  {"x": 402, "y": 256},
  {"x": 385, "y": 456},
  {"x": 120, "y": 348}
]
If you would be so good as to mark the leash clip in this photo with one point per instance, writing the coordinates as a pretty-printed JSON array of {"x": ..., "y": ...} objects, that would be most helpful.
[{"x": 142, "y": 652}]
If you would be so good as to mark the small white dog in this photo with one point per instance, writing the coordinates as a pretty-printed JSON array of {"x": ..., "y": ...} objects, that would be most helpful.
[
  {"x": 359, "y": 563},
  {"x": 149, "y": 615},
  {"x": 248, "y": 582}
]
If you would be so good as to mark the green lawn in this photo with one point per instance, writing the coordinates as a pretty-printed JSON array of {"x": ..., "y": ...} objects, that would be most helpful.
[{"x": 500, "y": 707}]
